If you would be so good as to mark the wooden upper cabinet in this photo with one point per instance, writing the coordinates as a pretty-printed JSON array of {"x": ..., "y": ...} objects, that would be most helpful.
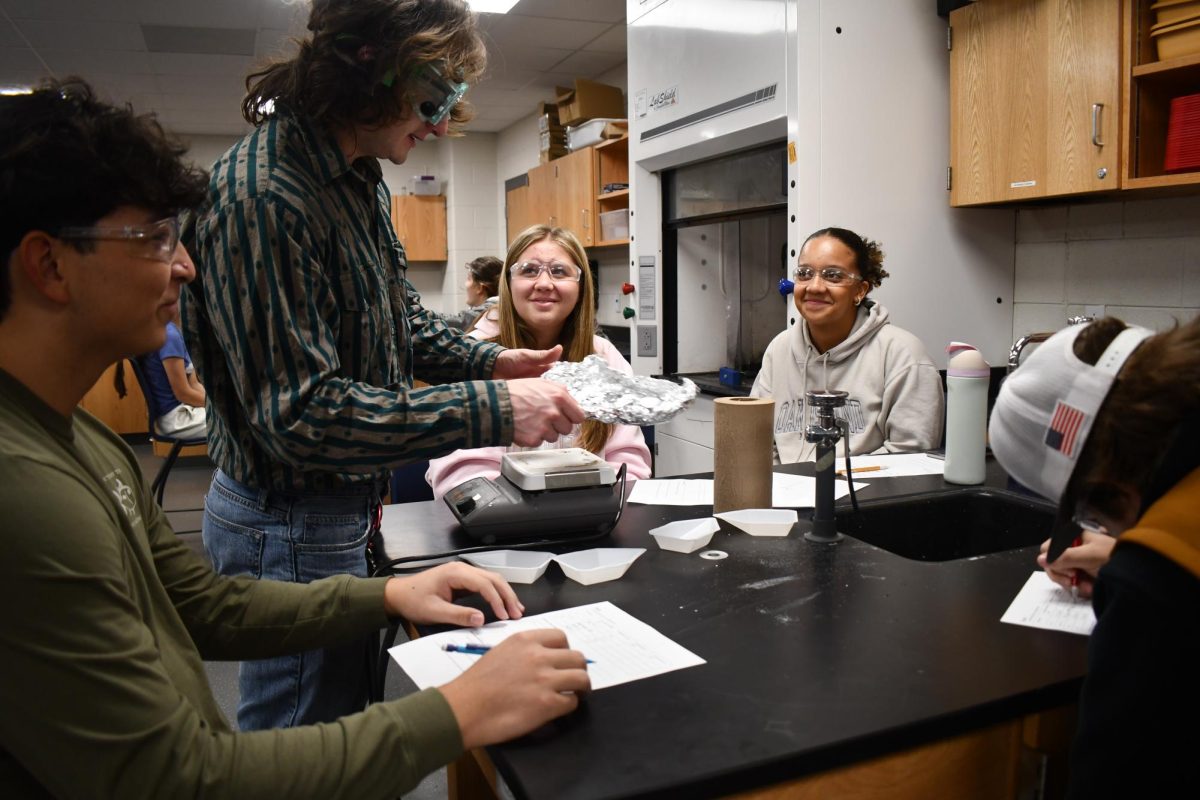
[
  {"x": 1034, "y": 99},
  {"x": 575, "y": 194},
  {"x": 420, "y": 223},
  {"x": 517, "y": 211}
]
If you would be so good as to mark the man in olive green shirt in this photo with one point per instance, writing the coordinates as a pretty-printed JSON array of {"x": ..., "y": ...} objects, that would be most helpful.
[{"x": 105, "y": 616}]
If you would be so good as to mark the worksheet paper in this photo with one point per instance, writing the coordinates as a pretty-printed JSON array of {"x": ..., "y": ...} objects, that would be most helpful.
[
  {"x": 1042, "y": 603},
  {"x": 622, "y": 648},
  {"x": 895, "y": 465},
  {"x": 787, "y": 491}
]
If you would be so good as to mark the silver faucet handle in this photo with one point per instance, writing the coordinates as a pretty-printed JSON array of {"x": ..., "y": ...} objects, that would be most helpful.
[
  {"x": 1081, "y": 320},
  {"x": 825, "y": 427}
]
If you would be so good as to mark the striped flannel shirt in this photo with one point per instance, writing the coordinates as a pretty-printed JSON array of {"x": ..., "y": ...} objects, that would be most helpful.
[{"x": 306, "y": 332}]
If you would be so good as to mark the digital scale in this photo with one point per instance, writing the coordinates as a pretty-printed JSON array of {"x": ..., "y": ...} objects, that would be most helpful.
[{"x": 541, "y": 494}]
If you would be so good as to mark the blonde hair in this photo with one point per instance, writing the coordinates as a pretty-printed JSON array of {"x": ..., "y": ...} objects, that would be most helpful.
[{"x": 579, "y": 328}]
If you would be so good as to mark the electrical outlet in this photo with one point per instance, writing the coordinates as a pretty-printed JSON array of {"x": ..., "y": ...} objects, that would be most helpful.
[{"x": 647, "y": 340}]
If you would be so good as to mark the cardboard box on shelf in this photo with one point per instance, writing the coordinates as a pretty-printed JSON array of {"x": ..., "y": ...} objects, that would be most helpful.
[
  {"x": 552, "y": 141},
  {"x": 588, "y": 100},
  {"x": 546, "y": 156},
  {"x": 547, "y": 116}
]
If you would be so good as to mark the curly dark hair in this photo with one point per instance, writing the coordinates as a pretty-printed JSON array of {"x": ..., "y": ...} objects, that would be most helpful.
[
  {"x": 868, "y": 253},
  {"x": 337, "y": 79},
  {"x": 67, "y": 159}
]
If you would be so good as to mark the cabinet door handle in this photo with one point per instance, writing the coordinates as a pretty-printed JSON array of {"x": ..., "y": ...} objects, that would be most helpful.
[{"x": 1097, "y": 111}]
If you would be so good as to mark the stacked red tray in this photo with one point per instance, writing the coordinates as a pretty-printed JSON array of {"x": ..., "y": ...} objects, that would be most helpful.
[{"x": 1183, "y": 135}]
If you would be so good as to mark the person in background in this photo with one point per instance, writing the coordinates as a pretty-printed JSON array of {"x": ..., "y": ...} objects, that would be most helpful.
[
  {"x": 308, "y": 335},
  {"x": 483, "y": 289},
  {"x": 1104, "y": 419},
  {"x": 547, "y": 299},
  {"x": 177, "y": 393},
  {"x": 105, "y": 614},
  {"x": 846, "y": 341}
]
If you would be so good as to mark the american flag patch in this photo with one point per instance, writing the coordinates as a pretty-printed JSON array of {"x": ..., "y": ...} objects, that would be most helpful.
[{"x": 1064, "y": 427}]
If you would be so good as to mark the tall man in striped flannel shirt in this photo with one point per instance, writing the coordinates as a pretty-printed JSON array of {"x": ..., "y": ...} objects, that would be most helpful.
[{"x": 308, "y": 335}]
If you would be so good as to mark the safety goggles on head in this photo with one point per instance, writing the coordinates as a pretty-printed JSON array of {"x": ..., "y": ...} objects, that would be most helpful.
[
  {"x": 160, "y": 238},
  {"x": 434, "y": 94}
]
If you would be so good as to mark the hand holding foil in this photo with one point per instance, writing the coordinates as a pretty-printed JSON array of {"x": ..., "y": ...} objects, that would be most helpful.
[{"x": 608, "y": 395}]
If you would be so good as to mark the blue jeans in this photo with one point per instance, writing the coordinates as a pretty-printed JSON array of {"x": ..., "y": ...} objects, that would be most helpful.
[{"x": 298, "y": 538}]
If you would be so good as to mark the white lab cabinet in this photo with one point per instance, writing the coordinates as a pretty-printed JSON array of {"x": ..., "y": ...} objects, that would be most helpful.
[{"x": 861, "y": 102}]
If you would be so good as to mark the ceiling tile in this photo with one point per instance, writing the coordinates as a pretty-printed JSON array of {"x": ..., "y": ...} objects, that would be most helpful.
[
  {"x": 595, "y": 10},
  {"x": 275, "y": 43},
  {"x": 611, "y": 41},
  {"x": 112, "y": 10},
  {"x": 589, "y": 65},
  {"x": 291, "y": 15},
  {"x": 535, "y": 58},
  {"x": 85, "y": 62},
  {"x": 123, "y": 87},
  {"x": 511, "y": 32},
  {"x": 206, "y": 41},
  {"x": 82, "y": 35},
  {"x": 13, "y": 59},
  {"x": 9, "y": 36},
  {"x": 207, "y": 14},
  {"x": 200, "y": 65}
]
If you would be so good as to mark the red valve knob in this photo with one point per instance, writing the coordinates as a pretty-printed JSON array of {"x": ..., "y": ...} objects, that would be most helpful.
[{"x": 626, "y": 288}]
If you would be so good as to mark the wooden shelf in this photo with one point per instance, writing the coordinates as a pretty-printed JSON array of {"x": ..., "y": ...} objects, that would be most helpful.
[
  {"x": 611, "y": 243},
  {"x": 1150, "y": 87},
  {"x": 624, "y": 140},
  {"x": 1156, "y": 67},
  {"x": 612, "y": 195}
]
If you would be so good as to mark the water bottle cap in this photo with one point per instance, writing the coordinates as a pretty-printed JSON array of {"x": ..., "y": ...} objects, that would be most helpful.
[{"x": 966, "y": 361}]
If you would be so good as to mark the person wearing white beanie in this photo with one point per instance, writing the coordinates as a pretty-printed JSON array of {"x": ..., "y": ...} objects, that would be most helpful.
[{"x": 1104, "y": 419}]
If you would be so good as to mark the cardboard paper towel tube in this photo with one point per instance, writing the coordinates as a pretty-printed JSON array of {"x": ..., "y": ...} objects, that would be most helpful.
[{"x": 742, "y": 453}]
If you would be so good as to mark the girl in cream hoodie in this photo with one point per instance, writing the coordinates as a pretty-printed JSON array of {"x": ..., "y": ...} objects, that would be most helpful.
[{"x": 845, "y": 341}]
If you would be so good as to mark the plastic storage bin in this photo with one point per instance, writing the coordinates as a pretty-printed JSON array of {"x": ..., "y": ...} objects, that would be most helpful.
[
  {"x": 587, "y": 133},
  {"x": 614, "y": 224}
]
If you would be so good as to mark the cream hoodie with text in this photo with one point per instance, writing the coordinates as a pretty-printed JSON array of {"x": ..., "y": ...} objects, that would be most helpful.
[{"x": 895, "y": 404}]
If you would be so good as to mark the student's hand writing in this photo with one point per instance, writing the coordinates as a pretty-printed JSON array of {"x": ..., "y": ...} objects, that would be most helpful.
[
  {"x": 1084, "y": 560},
  {"x": 426, "y": 598},
  {"x": 519, "y": 363},
  {"x": 542, "y": 411},
  {"x": 525, "y": 681}
]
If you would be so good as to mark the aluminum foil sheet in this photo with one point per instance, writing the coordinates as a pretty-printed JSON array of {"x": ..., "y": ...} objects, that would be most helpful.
[{"x": 610, "y": 396}]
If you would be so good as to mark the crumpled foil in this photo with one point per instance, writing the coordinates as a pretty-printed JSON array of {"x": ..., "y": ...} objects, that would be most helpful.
[{"x": 607, "y": 395}]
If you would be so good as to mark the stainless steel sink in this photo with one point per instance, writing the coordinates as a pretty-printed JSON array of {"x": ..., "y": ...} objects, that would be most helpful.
[{"x": 944, "y": 526}]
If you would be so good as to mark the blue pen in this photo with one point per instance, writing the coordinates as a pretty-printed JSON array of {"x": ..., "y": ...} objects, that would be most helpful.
[{"x": 476, "y": 649}]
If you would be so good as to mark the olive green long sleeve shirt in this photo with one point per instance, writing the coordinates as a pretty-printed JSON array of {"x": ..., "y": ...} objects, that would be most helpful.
[{"x": 106, "y": 617}]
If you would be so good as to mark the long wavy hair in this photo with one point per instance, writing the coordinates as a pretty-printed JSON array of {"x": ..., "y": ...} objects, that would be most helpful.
[
  {"x": 337, "y": 78},
  {"x": 579, "y": 328}
]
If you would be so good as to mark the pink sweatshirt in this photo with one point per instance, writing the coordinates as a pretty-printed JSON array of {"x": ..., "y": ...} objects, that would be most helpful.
[{"x": 626, "y": 445}]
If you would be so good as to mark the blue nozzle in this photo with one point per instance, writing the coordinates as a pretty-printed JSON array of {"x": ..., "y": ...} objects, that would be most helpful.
[{"x": 786, "y": 287}]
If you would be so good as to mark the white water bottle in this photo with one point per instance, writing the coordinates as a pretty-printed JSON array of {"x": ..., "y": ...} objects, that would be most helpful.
[{"x": 967, "y": 380}]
